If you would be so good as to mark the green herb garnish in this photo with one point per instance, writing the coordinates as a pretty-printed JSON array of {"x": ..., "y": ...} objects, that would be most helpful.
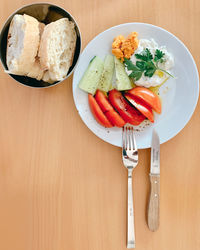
[
  {"x": 159, "y": 56},
  {"x": 145, "y": 56},
  {"x": 146, "y": 64}
]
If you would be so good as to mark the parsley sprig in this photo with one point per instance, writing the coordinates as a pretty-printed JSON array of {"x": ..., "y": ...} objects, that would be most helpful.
[{"x": 146, "y": 64}]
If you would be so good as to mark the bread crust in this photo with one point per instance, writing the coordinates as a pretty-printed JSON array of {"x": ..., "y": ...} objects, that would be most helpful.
[{"x": 73, "y": 48}]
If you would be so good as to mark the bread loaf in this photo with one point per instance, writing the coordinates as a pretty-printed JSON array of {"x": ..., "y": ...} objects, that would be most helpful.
[
  {"x": 39, "y": 51},
  {"x": 22, "y": 48},
  {"x": 56, "y": 49}
]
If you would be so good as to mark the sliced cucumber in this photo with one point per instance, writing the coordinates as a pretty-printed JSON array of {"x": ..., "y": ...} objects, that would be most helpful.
[
  {"x": 105, "y": 81},
  {"x": 90, "y": 79},
  {"x": 122, "y": 80},
  {"x": 111, "y": 87}
]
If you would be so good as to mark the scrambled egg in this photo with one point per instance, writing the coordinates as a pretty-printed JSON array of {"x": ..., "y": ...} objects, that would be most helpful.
[{"x": 125, "y": 47}]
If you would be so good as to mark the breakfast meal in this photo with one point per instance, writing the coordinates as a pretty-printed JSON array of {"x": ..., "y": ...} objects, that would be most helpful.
[
  {"x": 39, "y": 51},
  {"x": 124, "y": 87}
]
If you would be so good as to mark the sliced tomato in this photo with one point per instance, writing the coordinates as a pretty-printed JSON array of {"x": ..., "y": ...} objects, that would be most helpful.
[
  {"x": 103, "y": 102},
  {"x": 141, "y": 106},
  {"x": 148, "y": 97},
  {"x": 115, "y": 118},
  {"x": 98, "y": 113},
  {"x": 126, "y": 111},
  {"x": 108, "y": 110}
]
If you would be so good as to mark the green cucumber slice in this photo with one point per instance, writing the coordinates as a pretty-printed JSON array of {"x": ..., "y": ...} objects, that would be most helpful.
[
  {"x": 122, "y": 80},
  {"x": 90, "y": 79},
  {"x": 105, "y": 81}
]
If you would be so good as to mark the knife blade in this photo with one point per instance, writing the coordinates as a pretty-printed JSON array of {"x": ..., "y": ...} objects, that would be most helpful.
[
  {"x": 155, "y": 154},
  {"x": 154, "y": 198}
]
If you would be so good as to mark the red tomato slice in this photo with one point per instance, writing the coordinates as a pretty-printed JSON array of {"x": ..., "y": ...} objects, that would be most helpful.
[
  {"x": 115, "y": 118},
  {"x": 103, "y": 102},
  {"x": 127, "y": 112},
  {"x": 98, "y": 113},
  {"x": 108, "y": 110},
  {"x": 148, "y": 97},
  {"x": 141, "y": 106}
]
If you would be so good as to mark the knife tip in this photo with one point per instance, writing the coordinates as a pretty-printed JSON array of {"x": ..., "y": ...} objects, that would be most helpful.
[{"x": 155, "y": 135}]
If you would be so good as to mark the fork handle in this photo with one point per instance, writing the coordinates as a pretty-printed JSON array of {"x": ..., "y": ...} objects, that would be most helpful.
[
  {"x": 154, "y": 203},
  {"x": 130, "y": 215}
]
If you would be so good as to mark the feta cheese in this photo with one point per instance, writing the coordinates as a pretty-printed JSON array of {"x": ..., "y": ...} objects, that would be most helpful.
[{"x": 167, "y": 64}]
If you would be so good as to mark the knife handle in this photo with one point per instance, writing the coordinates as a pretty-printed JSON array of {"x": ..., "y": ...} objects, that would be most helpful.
[{"x": 154, "y": 203}]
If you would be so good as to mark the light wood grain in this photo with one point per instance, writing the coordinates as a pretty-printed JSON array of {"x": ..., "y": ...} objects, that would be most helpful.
[
  {"x": 154, "y": 203},
  {"x": 61, "y": 187}
]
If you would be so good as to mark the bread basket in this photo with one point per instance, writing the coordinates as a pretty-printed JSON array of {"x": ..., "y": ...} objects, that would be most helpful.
[{"x": 46, "y": 13}]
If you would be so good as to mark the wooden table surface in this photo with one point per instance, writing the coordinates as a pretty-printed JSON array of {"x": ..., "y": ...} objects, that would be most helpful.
[{"x": 61, "y": 187}]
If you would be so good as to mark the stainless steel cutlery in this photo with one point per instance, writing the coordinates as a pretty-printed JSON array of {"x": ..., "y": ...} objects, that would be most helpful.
[
  {"x": 154, "y": 198},
  {"x": 130, "y": 160}
]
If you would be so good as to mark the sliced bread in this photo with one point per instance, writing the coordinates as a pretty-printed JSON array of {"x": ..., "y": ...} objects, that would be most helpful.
[
  {"x": 56, "y": 49},
  {"x": 22, "y": 48}
]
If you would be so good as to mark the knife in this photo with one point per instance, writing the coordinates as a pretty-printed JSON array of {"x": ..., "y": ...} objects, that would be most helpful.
[{"x": 154, "y": 198}]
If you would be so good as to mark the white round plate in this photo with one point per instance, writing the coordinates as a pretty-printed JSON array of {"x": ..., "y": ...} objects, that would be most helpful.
[{"x": 179, "y": 96}]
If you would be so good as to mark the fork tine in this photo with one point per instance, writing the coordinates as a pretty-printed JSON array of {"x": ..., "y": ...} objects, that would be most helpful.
[
  {"x": 129, "y": 138},
  {"x": 123, "y": 138},
  {"x": 134, "y": 145},
  {"x": 125, "y": 135}
]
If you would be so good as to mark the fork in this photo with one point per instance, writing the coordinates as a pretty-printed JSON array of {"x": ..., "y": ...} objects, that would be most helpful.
[{"x": 130, "y": 160}]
